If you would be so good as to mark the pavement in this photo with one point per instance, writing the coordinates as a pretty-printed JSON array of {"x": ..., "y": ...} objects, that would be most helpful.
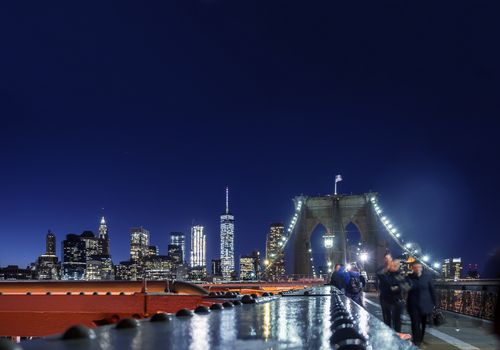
[{"x": 459, "y": 332}]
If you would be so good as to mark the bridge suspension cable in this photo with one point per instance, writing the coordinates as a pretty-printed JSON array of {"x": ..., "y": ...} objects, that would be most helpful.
[
  {"x": 286, "y": 237},
  {"x": 408, "y": 247}
]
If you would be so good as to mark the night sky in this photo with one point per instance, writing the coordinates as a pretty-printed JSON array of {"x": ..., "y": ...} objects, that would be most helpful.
[{"x": 149, "y": 110}]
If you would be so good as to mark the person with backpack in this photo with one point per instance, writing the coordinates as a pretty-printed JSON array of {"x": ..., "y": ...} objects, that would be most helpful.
[{"x": 354, "y": 285}]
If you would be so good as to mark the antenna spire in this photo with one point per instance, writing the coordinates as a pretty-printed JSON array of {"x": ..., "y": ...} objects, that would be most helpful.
[{"x": 227, "y": 200}]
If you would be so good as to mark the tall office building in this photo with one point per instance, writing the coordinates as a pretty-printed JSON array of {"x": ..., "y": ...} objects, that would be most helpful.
[
  {"x": 50, "y": 244},
  {"x": 139, "y": 243},
  {"x": 175, "y": 254},
  {"x": 227, "y": 241},
  {"x": 274, "y": 254},
  {"x": 250, "y": 266},
  {"x": 47, "y": 266},
  {"x": 103, "y": 237},
  {"x": 216, "y": 268},
  {"x": 178, "y": 238},
  {"x": 198, "y": 247},
  {"x": 74, "y": 258},
  {"x": 452, "y": 268}
]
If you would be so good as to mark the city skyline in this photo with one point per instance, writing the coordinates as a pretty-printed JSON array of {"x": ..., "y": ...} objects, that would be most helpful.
[{"x": 102, "y": 232}]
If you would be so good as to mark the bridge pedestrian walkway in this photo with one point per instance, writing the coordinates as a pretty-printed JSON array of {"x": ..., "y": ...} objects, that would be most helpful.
[{"x": 459, "y": 332}]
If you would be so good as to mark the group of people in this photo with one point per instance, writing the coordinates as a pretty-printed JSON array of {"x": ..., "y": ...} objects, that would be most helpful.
[
  {"x": 415, "y": 290},
  {"x": 351, "y": 282}
]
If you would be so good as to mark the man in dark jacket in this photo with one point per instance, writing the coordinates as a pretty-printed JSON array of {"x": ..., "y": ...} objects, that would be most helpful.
[
  {"x": 421, "y": 301},
  {"x": 338, "y": 277},
  {"x": 381, "y": 272},
  {"x": 392, "y": 285}
]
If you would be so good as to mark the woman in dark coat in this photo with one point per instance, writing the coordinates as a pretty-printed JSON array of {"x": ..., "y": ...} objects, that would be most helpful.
[{"x": 421, "y": 301}]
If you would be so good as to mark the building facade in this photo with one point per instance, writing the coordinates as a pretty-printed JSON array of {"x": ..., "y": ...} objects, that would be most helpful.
[
  {"x": 198, "y": 247},
  {"x": 103, "y": 240},
  {"x": 247, "y": 268},
  {"x": 452, "y": 268},
  {"x": 178, "y": 238},
  {"x": 175, "y": 254},
  {"x": 14, "y": 272},
  {"x": 275, "y": 258},
  {"x": 139, "y": 244},
  {"x": 227, "y": 241},
  {"x": 250, "y": 266},
  {"x": 47, "y": 266},
  {"x": 50, "y": 244},
  {"x": 74, "y": 258},
  {"x": 216, "y": 268},
  {"x": 158, "y": 267},
  {"x": 128, "y": 271}
]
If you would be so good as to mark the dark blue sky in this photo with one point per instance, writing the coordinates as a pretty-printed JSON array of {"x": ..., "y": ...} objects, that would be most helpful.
[{"x": 149, "y": 110}]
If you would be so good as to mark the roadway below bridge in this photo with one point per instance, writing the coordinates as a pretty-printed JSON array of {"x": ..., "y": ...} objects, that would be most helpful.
[{"x": 459, "y": 332}]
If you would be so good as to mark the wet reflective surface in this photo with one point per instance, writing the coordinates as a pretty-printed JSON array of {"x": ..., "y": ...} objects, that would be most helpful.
[{"x": 291, "y": 322}]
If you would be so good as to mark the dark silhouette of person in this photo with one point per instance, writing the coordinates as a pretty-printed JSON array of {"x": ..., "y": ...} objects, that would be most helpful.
[
  {"x": 392, "y": 286},
  {"x": 421, "y": 301},
  {"x": 338, "y": 278}
]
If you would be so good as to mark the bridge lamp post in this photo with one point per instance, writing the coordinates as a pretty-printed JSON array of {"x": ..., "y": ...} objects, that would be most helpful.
[{"x": 363, "y": 257}]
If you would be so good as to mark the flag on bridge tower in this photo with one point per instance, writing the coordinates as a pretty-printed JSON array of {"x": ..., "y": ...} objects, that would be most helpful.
[{"x": 338, "y": 178}]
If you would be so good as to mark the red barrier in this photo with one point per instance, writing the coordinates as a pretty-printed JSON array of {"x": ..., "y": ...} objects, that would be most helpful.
[{"x": 41, "y": 315}]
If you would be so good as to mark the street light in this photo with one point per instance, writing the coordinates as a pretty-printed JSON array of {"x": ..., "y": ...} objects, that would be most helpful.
[
  {"x": 364, "y": 256},
  {"x": 436, "y": 265},
  {"x": 328, "y": 241}
]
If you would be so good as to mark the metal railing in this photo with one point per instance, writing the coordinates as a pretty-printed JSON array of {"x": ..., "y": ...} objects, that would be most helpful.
[{"x": 477, "y": 298}]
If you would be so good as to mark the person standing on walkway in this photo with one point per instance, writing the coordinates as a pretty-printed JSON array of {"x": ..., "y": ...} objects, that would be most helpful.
[
  {"x": 421, "y": 301},
  {"x": 338, "y": 278},
  {"x": 392, "y": 286},
  {"x": 354, "y": 286},
  {"x": 381, "y": 272}
]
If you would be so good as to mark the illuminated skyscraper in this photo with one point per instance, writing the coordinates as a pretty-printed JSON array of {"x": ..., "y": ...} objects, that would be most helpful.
[
  {"x": 175, "y": 254},
  {"x": 103, "y": 237},
  {"x": 452, "y": 268},
  {"x": 47, "y": 266},
  {"x": 227, "y": 241},
  {"x": 198, "y": 247},
  {"x": 250, "y": 266},
  {"x": 139, "y": 243},
  {"x": 178, "y": 238},
  {"x": 274, "y": 254},
  {"x": 50, "y": 244}
]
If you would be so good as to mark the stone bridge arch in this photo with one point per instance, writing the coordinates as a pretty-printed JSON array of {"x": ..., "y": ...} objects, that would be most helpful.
[{"x": 335, "y": 212}]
